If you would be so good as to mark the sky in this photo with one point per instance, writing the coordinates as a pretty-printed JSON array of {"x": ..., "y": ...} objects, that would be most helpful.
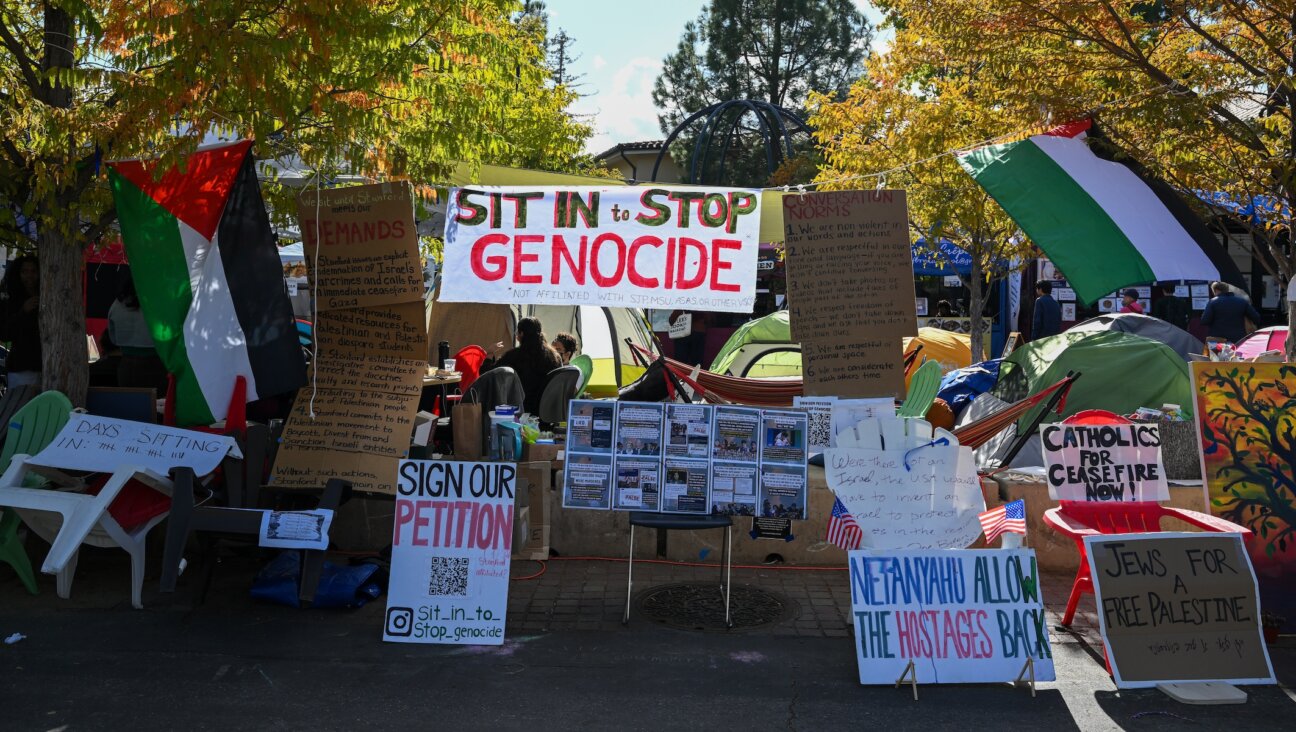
[{"x": 620, "y": 58}]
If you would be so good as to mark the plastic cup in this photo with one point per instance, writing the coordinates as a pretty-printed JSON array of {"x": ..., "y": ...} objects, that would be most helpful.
[{"x": 449, "y": 364}]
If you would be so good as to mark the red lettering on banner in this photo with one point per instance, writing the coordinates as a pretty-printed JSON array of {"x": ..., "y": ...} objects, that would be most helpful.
[
  {"x": 718, "y": 265},
  {"x": 498, "y": 263},
  {"x": 404, "y": 514},
  {"x": 615, "y": 278},
  {"x": 635, "y": 277},
  {"x": 682, "y": 281},
  {"x": 576, "y": 266},
  {"x": 521, "y": 259}
]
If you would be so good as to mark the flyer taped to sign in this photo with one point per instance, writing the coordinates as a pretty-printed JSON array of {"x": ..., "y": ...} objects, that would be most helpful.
[
  {"x": 1104, "y": 462},
  {"x": 623, "y": 246}
]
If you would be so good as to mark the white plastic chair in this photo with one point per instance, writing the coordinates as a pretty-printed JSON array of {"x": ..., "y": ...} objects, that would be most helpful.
[{"x": 84, "y": 519}]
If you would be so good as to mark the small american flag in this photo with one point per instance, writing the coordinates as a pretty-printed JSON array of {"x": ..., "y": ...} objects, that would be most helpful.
[
  {"x": 1010, "y": 517},
  {"x": 842, "y": 529}
]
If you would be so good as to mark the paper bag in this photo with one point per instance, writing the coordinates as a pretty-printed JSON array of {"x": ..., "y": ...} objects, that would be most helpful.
[{"x": 466, "y": 420}]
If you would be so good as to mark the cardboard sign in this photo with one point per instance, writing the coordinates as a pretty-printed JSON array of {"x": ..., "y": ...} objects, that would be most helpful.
[
  {"x": 931, "y": 504},
  {"x": 451, "y": 544},
  {"x": 371, "y": 340},
  {"x": 850, "y": 320},
  {"x": 103, "y": 445},
  {"x": 1178, "y": 607},
  {"x": 368, "y": 248},
  {"x": 375, "y": 422},
  {"x": 960, "y": 616},
  {"x": 396, "y": 331},
  {"x": 626, "y": 246},
  {"x": 1110, "y": 462},
  {"x": 295, "y": 529}
]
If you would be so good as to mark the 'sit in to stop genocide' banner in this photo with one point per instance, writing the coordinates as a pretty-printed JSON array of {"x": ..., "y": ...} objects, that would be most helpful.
[{"x": 620, "y": 246}]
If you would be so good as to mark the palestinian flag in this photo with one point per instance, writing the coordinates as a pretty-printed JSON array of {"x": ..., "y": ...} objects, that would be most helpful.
[
  {"x": 1097, "y": 214},
  {"x": 209, "y": 278}
]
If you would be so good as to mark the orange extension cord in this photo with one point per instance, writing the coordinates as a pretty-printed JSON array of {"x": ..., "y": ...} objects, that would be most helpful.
[{"x": 544, "y": 565}]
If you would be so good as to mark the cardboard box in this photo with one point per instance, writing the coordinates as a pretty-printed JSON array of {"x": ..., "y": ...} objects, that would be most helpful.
[
  {"x": 521, "y": 531},
  {"x": 535, "y": 479},
  {"x": 532, "y": 453}
]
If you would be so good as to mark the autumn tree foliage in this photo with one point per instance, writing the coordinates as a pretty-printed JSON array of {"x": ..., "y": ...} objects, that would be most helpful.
[
  {"x": 392, "y": 89},
  {"x": 1200, "y": 92}
]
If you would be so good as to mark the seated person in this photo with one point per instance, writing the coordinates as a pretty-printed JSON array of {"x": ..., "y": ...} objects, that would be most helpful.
[
  {"x": 533, "y": 359},
  {"x": 566, "y": 346}
]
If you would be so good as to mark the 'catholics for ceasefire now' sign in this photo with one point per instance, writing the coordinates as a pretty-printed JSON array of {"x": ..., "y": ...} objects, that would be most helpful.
[
  {"x": 622, "y": 246},
  {"x": 1104, "y": 462}
]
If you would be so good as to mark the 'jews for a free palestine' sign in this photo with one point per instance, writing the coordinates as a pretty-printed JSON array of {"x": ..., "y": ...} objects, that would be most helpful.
[{"x": 621, "y": 246}]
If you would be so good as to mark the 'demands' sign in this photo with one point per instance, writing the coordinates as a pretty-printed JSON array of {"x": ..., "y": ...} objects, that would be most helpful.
[{"x": 691, "y": 248}]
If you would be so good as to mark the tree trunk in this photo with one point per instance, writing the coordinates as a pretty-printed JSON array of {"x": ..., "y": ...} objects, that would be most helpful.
[
  {"x": 1291, "y": 325},
  {"x": 976, "y": 285},
  {"x": 65, "y": 360}
]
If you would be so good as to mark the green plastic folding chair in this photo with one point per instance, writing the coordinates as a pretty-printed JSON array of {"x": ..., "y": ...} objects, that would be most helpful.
[
  {"x": 586, "y": 366},
  {"x": 30, "y": 431},
  {"x": 923, "y": 387}
]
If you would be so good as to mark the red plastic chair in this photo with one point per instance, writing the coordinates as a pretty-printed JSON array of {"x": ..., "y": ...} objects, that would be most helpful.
[
  {"x": 468, "y": 362},
  {"x": 1078, "y": 519}
]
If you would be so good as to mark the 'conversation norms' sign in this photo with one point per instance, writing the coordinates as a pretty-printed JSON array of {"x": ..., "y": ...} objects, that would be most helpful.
[
  {"x": 621, "y": 246},
  {"x": 451, "y": 543},
  {"x": 962, "y": 616},
  {"x": 1104, "y": 462},
  {"x": 1178, "y": 607}
]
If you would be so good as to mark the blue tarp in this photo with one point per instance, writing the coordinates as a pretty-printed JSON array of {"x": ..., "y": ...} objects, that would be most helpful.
[{"x": 961, "y": 386}]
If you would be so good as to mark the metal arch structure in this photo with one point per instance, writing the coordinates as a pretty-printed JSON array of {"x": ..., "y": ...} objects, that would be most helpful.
[{"x": 777, "y": 127}]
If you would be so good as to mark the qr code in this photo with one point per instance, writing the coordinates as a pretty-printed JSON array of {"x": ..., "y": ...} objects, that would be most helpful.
[
  {"x": 449, "y": 576},
  {"x": 820, "y": 426}
]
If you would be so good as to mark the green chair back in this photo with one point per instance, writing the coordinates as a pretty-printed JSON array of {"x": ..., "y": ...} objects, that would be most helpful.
[
  {"x": 923, "y": 387},
  {"x": 33, "y": 428},
  {"x": 586, "y": 366}
]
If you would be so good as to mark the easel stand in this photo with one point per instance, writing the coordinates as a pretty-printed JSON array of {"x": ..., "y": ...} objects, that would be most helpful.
[
  {"x": 1027, "y": 676},
  {"x": 910, "y": 671}
]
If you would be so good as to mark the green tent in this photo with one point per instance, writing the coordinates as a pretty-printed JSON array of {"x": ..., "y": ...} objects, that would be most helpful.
[
  {"x": 760, "y": 348},
  {"x": 1120, "y": 372}
]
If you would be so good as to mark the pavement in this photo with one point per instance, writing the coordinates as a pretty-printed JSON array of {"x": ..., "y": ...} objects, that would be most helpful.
[{"x": 92, "y": 662}]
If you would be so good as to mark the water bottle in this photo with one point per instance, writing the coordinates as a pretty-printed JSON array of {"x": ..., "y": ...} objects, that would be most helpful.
[{"x": 443, "y": 352}]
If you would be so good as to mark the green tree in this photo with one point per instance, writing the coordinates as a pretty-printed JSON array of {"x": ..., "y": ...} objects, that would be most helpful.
[
  {"x": 777, "y": 51},
  {"x": 1219, "y": 83},
  {"x": 402, "y": 88},
  {"x": 907, "y": 115}
]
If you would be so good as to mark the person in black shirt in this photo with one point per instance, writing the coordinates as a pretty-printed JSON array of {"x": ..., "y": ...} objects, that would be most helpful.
[
  {"x": 22, "y": 321},
  {"x": 1171, "y": 308},
  {"x": 533, "y": 359}
]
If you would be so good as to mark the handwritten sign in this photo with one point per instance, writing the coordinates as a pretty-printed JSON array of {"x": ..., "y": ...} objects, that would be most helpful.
[
  {"x": 1178, "y": 607},
  {"x": 961, "y": 616},
  {"x": 103, "y": 445},
  {"x": 451, "y": 544},
  {"x": 850, "y": 320},
  {"x": 374, "y": 422},
  {"x": 368, "y": 247},
  {"x": 1108, "y": 462},
  {"x": 371, "y": 340},
  {"x": 931, "y": 504},
  {"x": 648, "y": 247}
]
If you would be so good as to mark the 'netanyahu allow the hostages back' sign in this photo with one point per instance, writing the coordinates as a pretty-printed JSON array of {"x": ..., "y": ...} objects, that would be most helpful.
[
  {"x": 621, "y": 246},
  {"x": 961, "y": 616},
  {"x": 1104, "y": 462}
]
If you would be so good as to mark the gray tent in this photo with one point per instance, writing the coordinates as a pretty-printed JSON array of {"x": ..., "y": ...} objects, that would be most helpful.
[{"x": 1180, "y": 341}]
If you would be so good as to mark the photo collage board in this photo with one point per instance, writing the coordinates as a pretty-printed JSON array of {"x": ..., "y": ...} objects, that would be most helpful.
[{"x": 686, "y": 458}]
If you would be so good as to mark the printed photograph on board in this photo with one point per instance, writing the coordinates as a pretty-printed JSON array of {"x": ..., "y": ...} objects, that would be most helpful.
[
  {"x": 783, "y": 492},
  {"x": 785, "y": 437},
  {"x": 637, "y": 486},
  {"x": 688, "y": 430},
  {"x": 589, "y": 425},
  {"x": 733, "y": 489},
  {"x": 736, "y": 434},
  {"x": 684, "y": 489},
  {"x": 639, "y": 429},
  {"x": 587, "y": 481}
]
